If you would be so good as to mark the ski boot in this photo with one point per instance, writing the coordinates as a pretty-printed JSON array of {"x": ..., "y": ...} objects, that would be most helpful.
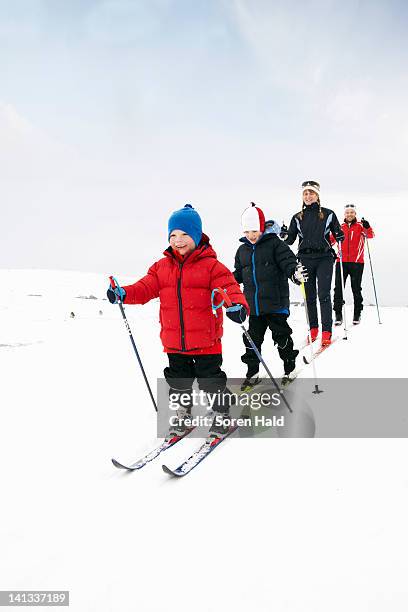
[
  {"x": 250, "y": 383},
  {"x": 220, "y": 425},
  {"x": 314, "y": 331},
  {"x": 339, "y": 318},
  {"x": 326, "y": 338},
  {"x": 289, "y": 365},
  {"x": 182, "y": 424},
  {"x": 357, "y": 318}
]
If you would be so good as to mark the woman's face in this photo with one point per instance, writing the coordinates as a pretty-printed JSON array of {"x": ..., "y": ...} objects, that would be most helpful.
[{"x": 309, "y": 197}]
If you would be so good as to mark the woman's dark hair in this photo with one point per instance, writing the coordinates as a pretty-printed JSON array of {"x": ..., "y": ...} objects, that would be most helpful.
[{"x": 321, "y": 215}]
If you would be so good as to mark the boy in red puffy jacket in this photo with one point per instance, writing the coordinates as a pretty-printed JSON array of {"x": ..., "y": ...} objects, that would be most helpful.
[{"x": 191, "y": 335}]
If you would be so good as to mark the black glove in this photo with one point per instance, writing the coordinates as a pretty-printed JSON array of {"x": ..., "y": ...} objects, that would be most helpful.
[
  {"x": 365, "y": 223},
  {"x": 236, "y": 313},
  {"x": 115, "y": 295},
  {"x": 284, "y": 231}
]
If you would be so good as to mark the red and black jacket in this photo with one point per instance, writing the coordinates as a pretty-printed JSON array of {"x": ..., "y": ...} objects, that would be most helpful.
[
  {"x": 353, "y": 243},
  {"x": 184, "y": 287}
]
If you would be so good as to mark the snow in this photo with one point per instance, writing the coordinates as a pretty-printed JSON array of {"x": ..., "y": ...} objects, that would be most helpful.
[{"x": 263, "y": 524}]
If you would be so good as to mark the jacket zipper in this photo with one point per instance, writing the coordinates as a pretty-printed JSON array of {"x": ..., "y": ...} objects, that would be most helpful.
[
  {"x": 256, "y": 284},
  {"x": 180, "y": 303}
]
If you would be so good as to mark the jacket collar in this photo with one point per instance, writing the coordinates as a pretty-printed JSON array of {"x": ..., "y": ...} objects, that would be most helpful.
[
  {"x": 314, "y": 206},
  {"x": 265, "y": 236},
  {"x": 204, "y": 249}
]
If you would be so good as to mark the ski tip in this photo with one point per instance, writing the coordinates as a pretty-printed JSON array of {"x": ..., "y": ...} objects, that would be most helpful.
[
  {"x": 305, "y": 360},
  {"x": 120, "y": 466},
  {"x": 170, "y": 472}
]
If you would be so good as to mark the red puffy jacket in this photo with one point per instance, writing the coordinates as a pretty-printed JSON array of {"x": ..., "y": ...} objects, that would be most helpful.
[
  {"x": 184, "y": 288},
  {"x": 353, "y": 243}
]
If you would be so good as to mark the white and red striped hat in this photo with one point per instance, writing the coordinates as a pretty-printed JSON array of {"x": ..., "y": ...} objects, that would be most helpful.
[{"x": 253, "y": 219}]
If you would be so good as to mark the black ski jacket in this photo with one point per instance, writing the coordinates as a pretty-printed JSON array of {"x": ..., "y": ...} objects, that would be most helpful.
[
  {"x": 313, "y": 232},
  {"x": 264, "y": 269}
]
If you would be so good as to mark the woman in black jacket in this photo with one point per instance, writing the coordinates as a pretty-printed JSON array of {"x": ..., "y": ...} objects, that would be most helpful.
[
  {"x": 263, "y": 263},
  {"x": 313, "y": 225}
]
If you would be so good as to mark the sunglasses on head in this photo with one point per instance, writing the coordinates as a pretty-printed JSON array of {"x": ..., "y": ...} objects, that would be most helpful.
[
  {"x": 350, "y": 206},
  {"x": 311, "y": 184}
]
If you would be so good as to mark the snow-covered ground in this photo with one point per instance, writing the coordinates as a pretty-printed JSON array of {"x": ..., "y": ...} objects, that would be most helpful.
[{"x": 264, "y": 524}]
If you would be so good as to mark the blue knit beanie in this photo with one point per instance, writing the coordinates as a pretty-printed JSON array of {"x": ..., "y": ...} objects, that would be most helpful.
[{"x": 187, "y": 220}]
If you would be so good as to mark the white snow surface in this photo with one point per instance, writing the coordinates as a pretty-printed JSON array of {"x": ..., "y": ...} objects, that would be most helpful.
[{"x": 263, "y": 524}]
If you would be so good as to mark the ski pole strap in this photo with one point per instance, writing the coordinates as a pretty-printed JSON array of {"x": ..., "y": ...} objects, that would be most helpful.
[
  {"x": 225, "y": 298},
  {"x": 114, "y": 283}
]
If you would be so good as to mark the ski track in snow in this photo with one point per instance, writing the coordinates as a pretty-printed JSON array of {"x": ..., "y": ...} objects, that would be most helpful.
[{"x": 270, "y": 524}]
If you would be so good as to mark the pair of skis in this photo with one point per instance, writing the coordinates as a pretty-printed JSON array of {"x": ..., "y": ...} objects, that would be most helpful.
[
  {"x": 212, "y": 440},
  {"x": 211, "y": 443}
]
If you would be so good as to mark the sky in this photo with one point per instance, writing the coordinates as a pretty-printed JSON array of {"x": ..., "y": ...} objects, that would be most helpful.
[{"x": 115, "y": 113}]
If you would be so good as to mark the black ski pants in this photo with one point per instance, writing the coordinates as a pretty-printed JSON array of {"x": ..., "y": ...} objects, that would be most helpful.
[
  {"x": 355, "y": 271},
  {"x": 281, "y": 334},
  {"x": 320, "y": 274},
  {"x": 184, "y": 369}
]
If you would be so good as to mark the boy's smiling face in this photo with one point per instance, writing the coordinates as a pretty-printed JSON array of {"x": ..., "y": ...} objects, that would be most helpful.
[
  {"x": 253, "y": 236},
  {"x": 181, "y": 242}
]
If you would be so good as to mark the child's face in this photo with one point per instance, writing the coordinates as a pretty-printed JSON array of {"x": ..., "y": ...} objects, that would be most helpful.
[
  {"x": 181, "y": 242},
  {"x": 253, "y": 236},
  {"x": 350, "y": 215}
]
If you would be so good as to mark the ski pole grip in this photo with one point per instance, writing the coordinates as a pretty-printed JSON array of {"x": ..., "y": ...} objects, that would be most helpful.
[{"x": 113, "y": 282}]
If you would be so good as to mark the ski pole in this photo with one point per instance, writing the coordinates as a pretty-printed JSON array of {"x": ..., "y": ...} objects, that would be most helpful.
[
  {"x": 114, "y": 284},
  {"x": 228, "y": 303},
  {"x": 342, "y": 290},
  {"x": 372, "y": 276},
  {"x": 316, "y": 389}
]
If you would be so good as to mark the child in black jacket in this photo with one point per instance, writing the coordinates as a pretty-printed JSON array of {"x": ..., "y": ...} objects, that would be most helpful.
[{"x": 263, "y": 263}]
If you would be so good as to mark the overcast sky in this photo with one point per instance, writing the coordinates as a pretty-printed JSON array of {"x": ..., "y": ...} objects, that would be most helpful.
[{"x": 115, "y": 113}]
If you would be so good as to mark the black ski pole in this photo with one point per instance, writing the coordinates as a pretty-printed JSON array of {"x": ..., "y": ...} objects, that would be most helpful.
[
  {"x": 228, "y": 303},
  {"x": 258, "y": 354},
  {"x": 342, "y": 289},
  {"x": 372, "y": 275},
  {"x": 114, "y": 284}
]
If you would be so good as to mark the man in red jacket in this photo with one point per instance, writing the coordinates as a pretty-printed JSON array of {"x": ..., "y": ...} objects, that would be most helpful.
[
  {"x": 355, "y": 232},
  {"x": 183, "y": 280}
]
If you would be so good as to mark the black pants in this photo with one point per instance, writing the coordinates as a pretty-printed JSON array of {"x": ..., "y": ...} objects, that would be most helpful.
[
  {"x": 355, "y": 271},
  {"x": 320, "y": 273},
  {"x": 281, "y": 334},
  {"x": 184, "y": 369}
]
